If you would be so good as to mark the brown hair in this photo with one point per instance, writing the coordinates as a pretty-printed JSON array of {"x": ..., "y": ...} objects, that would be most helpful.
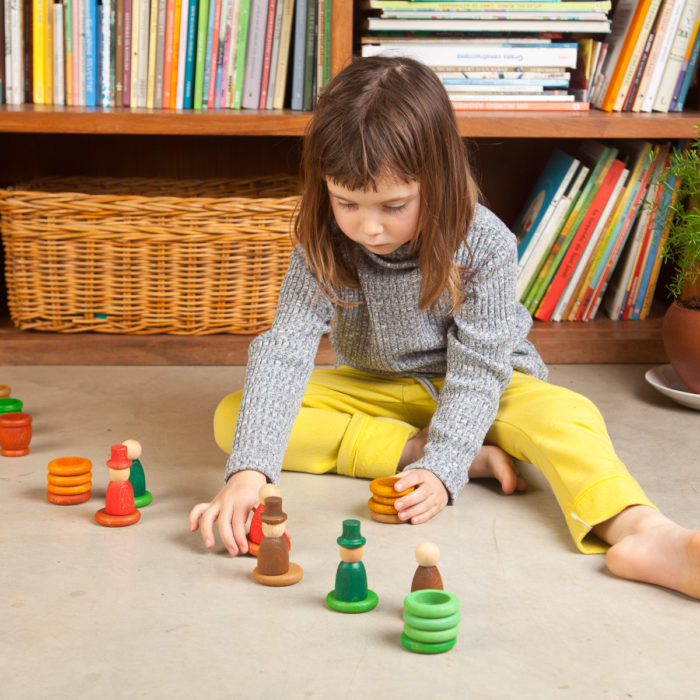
[{"x": 387, "y": 116}]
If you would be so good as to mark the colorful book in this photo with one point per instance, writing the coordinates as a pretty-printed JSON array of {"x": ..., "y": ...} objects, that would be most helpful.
[
  {"x": 128, "y": 24},
  {"x": 224, "y": 92},
  {"x": 188, "y": 88},
  {"x": 175, "y": 67},
  {"x": 454, "y": 6},
  {"x": 160, "y": 52},
  {"x": 179, "y": 88},
  {"x": 283, "y": 55},
  {"x": 309, "y": 50},
  {"x": 91, "y": 29},
  {"x": 118, "y": 53},
  {"x": 152, "y": 55},
  {"x": 255, "y": 54},
  {"x": 298, "y": 51},
  {"x": 231, "y": 56},
  {"x": 200, "y": 56},
  {"x": 276, "y": 33},
  {"x": 168, "y": 53},
  {"x": 267, "y": 55},
  {"x": 687, "y": 71},
  {"x": 523, "y": 105},
  {"x": 488, "y": 25},
  {"x": 104, "y": 52},
  {"x": 212, "y": 54},
  {"x": 68, "y": 45},
  {"x": 239, "y": 69}
]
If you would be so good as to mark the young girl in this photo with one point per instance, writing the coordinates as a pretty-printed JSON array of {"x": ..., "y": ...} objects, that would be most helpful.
[{"x": 415, "y": 281}]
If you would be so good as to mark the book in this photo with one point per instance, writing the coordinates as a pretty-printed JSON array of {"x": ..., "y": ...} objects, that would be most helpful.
[
  {"x": 142, "y": 52},
  {"x": 178, "y": 89},
  {"x": 38, "y": 51},
  {"x": 239, "y": 67},
  {"x": 597, "y": 157},
  {"x": 560, "y": 54},
  {"x": 454, "y": 6},
  {"x": 168, "y": 53},
  {"x": 581, "y": 234},
  {"x": 188, "y": 87},
  {"x": 223, "y": 95},
  {"x": 309, "y": 48},
  {"x": 118, "y": 52},
  {"x": 90, "y": 53},
  {"x": 126, "y": 80},
  {"x": 152, "y": 55},
  {"x": 200, "y": 56},
  {"x": 283, "y": 55},
  {"x": 488, "y": 25},
  {"x": 267, "y": 54},
  {"x": 255, "y": 54},
  {"x": 161, "y": 23},
  {"x": 104, "y": 52},
  {"x": 276, "y": 33},
  {"x": 227, "y": 98},
  {"x": 526, "y": 105},
  {"x": 175, "y": 67},
  {"x": 212, "y": 53},
  {"x": 298, "y": 53},
  {"x": 531, "y": 226}
]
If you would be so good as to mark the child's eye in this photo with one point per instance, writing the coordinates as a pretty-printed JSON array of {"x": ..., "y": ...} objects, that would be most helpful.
[
  {"x": 345, "y": 205},
  {"x": 395, "y": 209}
]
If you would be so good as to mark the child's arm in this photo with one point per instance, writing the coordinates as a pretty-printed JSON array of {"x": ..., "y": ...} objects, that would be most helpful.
[
  {"x": 229, "y": 508},
  {"x": 426, "y": 501}
]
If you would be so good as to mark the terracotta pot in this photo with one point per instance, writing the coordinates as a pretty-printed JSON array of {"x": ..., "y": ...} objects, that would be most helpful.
[
  {"x": 681, "y": 336},
  {"x": 15, "y": 434}
]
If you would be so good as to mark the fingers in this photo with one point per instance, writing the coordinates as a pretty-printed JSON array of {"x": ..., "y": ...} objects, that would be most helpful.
[
  {"x": 427, "y": 499},
  {"x": 195, "y": 515}
]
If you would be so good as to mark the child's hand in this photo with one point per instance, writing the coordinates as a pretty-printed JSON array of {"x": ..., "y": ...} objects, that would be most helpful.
[
  {"x": 230, "y": 509},
  {"x": 426, "y": 501}
]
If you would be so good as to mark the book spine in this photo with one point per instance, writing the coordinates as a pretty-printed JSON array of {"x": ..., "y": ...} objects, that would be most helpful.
[
  {"x": 689, "y": 73},
  {"x": 179, "y": 89},
  {"x": 175, "y": 54},
  {"x": 274, "y": 59},
  {"x": 188, "y": 90},
  {"x": 168, "y": 53},
  {"x": 283, "y": 58},
  {"x": 16, "y": 54},
  {"x": 119, "y": 54},
  {"x": 229, "y": 73},
  {"x": 68, "y": 47},
  {"x": 255, "y": 52},
  {"x": 213, "y": 54},
  {"x": 90, "y": 53},
  {"x": 297, "y": 102},
  {"x": 267, "y": 55},
  {"x": 152, "y": 55},
  {"x": 309, "y": 49},
  {"x": 207, "y": 53},
  {"x": 105, "y": 54},
  {"x": 160, "y": 54},
  {"x": 142, "y": 64},
  {"x": 241, "y": 54},
  {"x": 200, "y": 53}
]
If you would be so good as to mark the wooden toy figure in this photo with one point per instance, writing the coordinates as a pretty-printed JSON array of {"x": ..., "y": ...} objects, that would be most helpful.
[
  {"x": 142, "y": 497},
  {"x": 274, "y": 567},
  {"x": 427, "y": 574},
  {"x": 351, "y": 594},
  {"x": 119, "y": 509},
  {"x": 15, "y": 433},
  {"x": 4, "y": 391},
  {"x": 255, "y": 533}
]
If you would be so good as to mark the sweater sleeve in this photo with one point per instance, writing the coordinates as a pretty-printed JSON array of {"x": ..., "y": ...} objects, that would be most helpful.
[
  {"x": 479, "y": 347},
  {"x": 280, "y": 362}
]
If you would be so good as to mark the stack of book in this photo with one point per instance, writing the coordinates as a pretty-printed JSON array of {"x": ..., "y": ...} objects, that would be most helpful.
[
  {"x": 594, "y": 223},
  {"x": 169, "y": 54},
  {"x": 652, "y": 53},
  {"x": 496, "y": 55}
]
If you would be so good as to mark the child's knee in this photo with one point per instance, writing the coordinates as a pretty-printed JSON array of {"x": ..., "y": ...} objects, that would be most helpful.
[{"x": 225, "y": 417}]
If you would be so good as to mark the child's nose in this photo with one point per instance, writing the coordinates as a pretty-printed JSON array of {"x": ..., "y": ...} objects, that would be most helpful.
[{"x": 371, "y": 225}]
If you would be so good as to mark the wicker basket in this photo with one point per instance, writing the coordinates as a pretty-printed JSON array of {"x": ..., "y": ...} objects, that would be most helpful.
[{"x": 146, "y": 256}]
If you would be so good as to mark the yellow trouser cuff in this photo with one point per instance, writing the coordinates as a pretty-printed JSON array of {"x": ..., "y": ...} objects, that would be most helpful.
[
  {"x": 600, "y": 502},
  {"x": 372, "y": 447}
]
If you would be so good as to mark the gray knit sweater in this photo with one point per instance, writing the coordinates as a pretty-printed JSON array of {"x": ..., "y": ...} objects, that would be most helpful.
[{"x": 475, "y": 350}]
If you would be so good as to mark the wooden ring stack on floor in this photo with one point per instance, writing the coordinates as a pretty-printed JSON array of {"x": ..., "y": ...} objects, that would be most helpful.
[
  {"x": 431, "y": 621},
  {"x": 69, "y": 481},
  {"x": 381, "y": 504}
]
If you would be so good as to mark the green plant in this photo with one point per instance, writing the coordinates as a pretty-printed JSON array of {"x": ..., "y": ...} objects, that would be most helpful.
[{"x": 682, "y": 247}]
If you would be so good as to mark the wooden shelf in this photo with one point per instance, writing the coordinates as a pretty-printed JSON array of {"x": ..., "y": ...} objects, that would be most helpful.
[
  {"x": 47, "y": 119},
  {"x": 600, "y": 341}
]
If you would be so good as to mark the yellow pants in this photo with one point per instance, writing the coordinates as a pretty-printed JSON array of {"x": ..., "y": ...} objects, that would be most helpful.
[{"x": 356, "y": 423}]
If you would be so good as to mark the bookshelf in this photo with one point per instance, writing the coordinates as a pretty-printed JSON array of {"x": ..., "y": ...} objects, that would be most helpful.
[{"x": 508, "y": 149}]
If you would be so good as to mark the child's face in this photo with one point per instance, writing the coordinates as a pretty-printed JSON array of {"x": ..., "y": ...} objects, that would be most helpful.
[{"x": 381, "y": 221}]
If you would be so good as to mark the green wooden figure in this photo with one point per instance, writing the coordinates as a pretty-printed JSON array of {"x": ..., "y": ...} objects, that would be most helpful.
[
  {"x": 137, "y": 477},
  {"x": 351, "y": 594}
]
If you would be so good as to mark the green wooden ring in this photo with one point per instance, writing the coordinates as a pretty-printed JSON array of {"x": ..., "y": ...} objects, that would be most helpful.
[
  {"x": 431, "y": 603},
  {"x": 431, "y": 623},
  {"x": 426, "y": 648},
  {"x": 356, "y": 606},
  {"x": 431, "y": 636},
  {"x": 143, "y": 500}
]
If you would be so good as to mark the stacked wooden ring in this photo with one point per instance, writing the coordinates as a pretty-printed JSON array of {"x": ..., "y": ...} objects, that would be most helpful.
[
  {"x": 431, "y": 621},
  {"x": 381, "y": 505},
  {"x": 69, "y": 481}
]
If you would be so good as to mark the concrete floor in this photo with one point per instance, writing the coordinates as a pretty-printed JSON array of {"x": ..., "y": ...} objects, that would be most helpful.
[{"x": 147, "y": 611}]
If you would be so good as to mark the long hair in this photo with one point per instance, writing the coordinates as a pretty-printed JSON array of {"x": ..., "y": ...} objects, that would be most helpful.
[{"x": 387, "y": 116}]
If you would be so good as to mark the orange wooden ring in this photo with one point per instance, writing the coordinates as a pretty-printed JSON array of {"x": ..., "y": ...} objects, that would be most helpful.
[
  {"x": 69, "y": 466},
  {"x": 385, "y": 518},
  {"x": 104, "y": 518},
  {"x": 68, "y": 500},
  {"x": 69, "y": 480},
  {"x": 380, "y": 507},
  {"x": 383, "y": 499},
  {"x": 69, "y": 490},
  {"x": 384, "y": 486}
]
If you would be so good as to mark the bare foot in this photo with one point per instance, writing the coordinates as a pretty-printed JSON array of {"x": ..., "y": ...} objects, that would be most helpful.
[
  {"x": 414, "y": 449},
  {"x": 657, "y": 550},
  {"x": 493, "y": 463}
]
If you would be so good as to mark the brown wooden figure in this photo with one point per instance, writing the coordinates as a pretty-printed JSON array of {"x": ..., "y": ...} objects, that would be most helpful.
[
  {"x": 427, "y": 574},
  {"x": 274, "y": 567},
  {"x": 255, "y": 533}
]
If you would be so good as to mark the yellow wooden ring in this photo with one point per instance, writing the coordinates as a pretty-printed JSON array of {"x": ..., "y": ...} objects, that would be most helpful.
[
  {"x": 69, "y": 490},
  {"x": 68, "y": 480},
  {"x": 69, "y": 466},
  {"x": 384, "y": 486},
  {"x": 380, "y": 507},
  {"x": 383, "y": 499}
]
